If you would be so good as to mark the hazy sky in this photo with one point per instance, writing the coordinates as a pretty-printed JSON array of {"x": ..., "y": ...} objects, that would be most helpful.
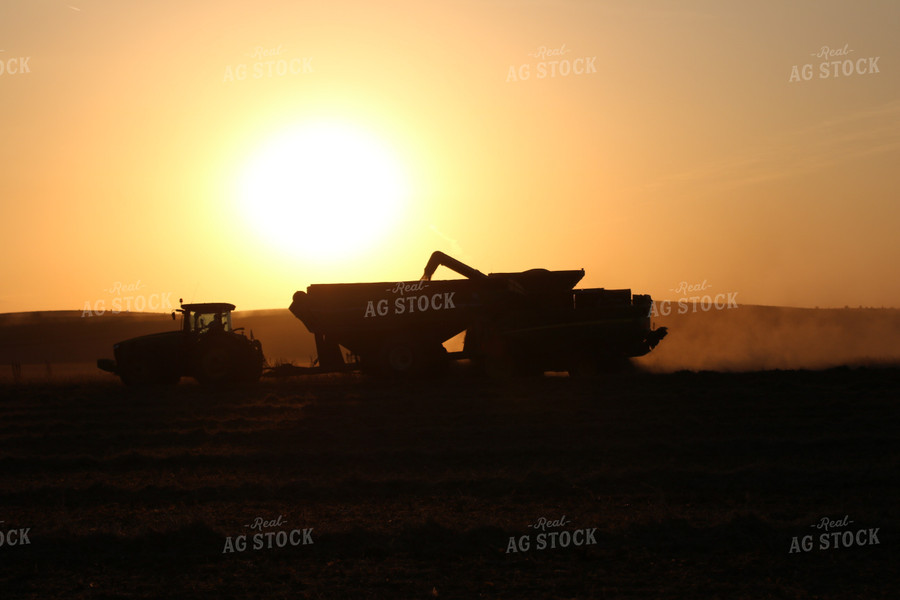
[{"x": 185, "y": 148}]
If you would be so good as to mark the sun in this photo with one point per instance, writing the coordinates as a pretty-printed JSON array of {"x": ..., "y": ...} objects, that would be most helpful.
[{"x": 323, "y": 191}]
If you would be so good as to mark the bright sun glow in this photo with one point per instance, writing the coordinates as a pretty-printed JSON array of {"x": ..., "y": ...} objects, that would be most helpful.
[{"x": 323, "y": 191}]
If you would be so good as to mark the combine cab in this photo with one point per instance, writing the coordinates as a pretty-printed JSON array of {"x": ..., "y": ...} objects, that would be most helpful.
[
  {"x": 206, "y": 348},
  {"x": 526, "y": 322}
]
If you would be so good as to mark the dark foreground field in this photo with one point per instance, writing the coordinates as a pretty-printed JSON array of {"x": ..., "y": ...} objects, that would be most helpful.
[{"x": 691, "y": 485}]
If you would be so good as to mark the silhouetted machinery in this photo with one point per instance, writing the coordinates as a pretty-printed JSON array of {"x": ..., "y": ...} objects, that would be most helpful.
[
  {"x": 531, "y": 321},
  {"x": 206, "y": 348}
]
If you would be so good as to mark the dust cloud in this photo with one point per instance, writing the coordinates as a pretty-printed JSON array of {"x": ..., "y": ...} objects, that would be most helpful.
[{"x": 753, "y": 338}]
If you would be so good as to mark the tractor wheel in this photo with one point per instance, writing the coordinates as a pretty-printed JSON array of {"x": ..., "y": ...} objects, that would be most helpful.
[
  {"x": 215, "y": 364},
  {"x": 144, "y": 371},
  {"x": 250, "y": 366},
  {"x": 138, "y": 372}
]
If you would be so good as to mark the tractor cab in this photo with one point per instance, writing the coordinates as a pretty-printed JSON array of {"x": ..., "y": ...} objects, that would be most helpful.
[{"x": 209, "y": 317}]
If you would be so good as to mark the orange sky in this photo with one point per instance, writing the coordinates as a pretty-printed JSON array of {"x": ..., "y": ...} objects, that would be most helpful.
[{"x": 682, "y": 151}]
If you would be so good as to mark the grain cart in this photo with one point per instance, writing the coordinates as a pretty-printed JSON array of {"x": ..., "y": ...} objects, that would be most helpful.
[
  {"x": 206, "y": 348},
  {"x": 526, "y": 322}
]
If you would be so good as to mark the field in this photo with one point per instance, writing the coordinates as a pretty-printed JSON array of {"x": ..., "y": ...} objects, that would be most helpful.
[{"x": 682, "y": 484}]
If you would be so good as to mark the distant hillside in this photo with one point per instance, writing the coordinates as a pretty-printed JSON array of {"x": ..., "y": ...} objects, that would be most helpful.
[{"x": 744, "y": 338}]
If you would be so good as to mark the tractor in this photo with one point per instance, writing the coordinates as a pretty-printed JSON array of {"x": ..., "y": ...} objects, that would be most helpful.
[{"x": 206, "y": 348}]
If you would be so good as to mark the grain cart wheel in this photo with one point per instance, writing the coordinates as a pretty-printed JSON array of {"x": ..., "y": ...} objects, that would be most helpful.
[
  {"x": 170, "y": 379},
  {"x": 591, "y": 366},
  {"x": 585, "y": 367},
  {"x": 496, "y": 359},
  {"x": 401, "y": 358},
  {"x": 499, "y": 365},
  {"x": 398, "y": 357},
  {"x": 438, "y": 360},
  {"x": 620, "y": 365},
  {"x": 406, "y": 357}
]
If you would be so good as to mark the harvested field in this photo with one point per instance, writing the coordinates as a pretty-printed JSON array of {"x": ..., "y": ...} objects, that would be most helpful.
[{"x": 682, "y": 485}]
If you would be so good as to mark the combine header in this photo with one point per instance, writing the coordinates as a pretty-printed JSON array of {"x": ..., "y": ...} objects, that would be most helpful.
[{"x": 526, "y": 322}]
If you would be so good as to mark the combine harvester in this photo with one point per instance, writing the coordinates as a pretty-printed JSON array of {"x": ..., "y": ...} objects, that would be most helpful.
[{"x": 514, "y": 323}]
